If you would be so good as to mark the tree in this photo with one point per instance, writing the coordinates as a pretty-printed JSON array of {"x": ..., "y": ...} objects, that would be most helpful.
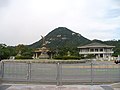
[
  {"x": 23, "y": 52},
  {"x": 4, "y": 51}
]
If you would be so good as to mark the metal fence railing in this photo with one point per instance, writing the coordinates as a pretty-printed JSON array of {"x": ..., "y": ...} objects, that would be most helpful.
[
  {"x": 0, "y": 70},
  {"x": 60, "y": 73}
]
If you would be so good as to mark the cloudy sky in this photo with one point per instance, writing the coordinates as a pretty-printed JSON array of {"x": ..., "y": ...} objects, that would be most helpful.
[{"x": 23, "y": 21}]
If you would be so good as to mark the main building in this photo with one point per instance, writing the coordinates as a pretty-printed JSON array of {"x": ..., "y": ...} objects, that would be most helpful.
[{"x": 99, "y": 50}]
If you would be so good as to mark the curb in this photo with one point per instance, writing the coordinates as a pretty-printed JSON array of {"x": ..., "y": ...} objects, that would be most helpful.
[{"x": 115, "y": 85}]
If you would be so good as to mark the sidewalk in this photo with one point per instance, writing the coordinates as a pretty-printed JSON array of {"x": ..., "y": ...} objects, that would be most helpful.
[{"x": 53, "y": 87}]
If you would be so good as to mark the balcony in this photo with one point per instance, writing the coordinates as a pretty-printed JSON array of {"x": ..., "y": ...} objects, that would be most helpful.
[{"x": 103, "y": 52}]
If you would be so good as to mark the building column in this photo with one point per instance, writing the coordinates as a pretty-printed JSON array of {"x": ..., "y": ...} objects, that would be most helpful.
[
  {"x": 104, "y": 56},
  {"x": 109, "y": 57},
  {"x": 98, "y": 55},
  {"x": 103, "y": 50},
  {"x": 36, "y": 56}
]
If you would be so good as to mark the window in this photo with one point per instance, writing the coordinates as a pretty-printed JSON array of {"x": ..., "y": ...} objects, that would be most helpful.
[
  {"x": 101, "y": 55},
  {"x": 101, "y": 50},
  {"x": 91, "y": 50},
  {"x": 96, "y": 50}
]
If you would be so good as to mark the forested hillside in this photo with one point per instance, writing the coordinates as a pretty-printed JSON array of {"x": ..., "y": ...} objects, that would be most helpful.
[{"x": 62, "y": 37}]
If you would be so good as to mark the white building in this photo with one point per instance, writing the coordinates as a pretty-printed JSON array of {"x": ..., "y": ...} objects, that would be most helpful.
[{"x": 101, "y": 51}]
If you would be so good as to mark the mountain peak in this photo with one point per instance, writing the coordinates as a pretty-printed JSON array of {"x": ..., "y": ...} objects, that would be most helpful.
[
  {"x": 61, "y": 30},
  {"x": 62, "y": 37}
]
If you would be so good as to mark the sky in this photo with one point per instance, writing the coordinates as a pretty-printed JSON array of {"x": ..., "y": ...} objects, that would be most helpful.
[{"x": 24, "y": 21}]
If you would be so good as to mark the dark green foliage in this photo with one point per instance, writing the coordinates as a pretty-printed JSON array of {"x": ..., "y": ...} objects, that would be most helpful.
[
  {"x": 58, "y": 57},
  {"x": 20, "y": 52},
  {"x": 12, "y": 50},
  {"x": 67, "y": 57},
  {"x": 23, "y": 57},
  {"x": 6, "y": 51},
  {"x": 70, "y": 57},
  {"x": 23, "y": 52},
  {"x": 64, "y": 51},
  {"x": 90, "y": 56}
]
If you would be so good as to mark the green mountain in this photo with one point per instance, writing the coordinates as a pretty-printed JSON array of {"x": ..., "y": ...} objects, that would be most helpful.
[{"x": 62, "y": 37}]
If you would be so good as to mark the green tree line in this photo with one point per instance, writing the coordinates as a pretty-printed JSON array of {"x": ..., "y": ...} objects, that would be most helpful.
[{"x": 19, "y": 51}]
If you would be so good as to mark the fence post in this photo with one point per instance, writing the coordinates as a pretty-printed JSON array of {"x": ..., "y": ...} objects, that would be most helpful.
[
  {"x": 119, "y": 71},
  {"x": 59, "y": 71},
  {"x": 2, "y": 69},
  {"x": 29, "y": 71},
  {"x": 91, "y": 72},
  {"x": 60, "y": 74}
]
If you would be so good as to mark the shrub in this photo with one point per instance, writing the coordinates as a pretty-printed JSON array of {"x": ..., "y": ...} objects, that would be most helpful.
[
  {"x": 23, "y": 57},
  {"x": 58, "y": 57},
  {"x": 67, "y": 57},
  {"x": 70, "y": 57}
]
